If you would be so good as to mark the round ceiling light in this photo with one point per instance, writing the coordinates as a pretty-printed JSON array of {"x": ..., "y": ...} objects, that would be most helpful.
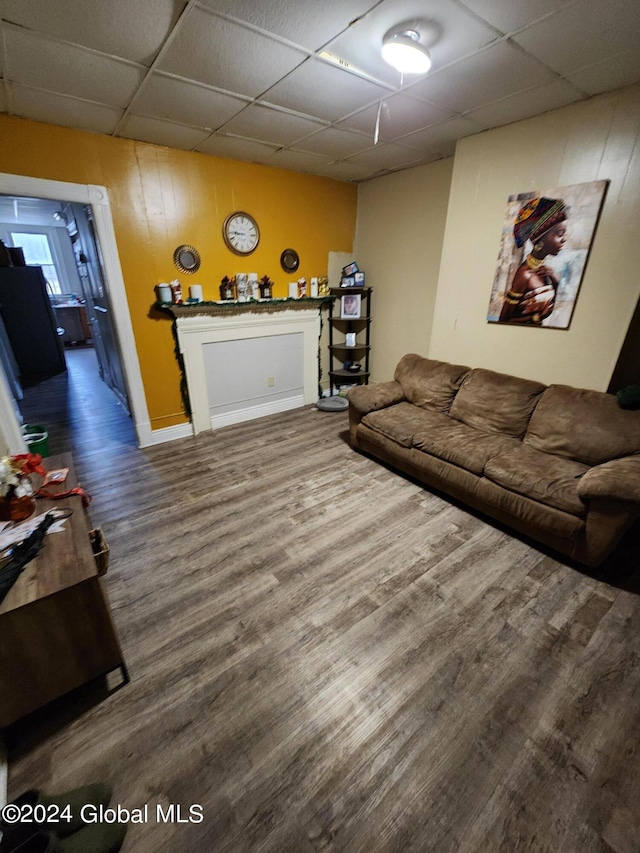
[{"x": 405, "y": 53}]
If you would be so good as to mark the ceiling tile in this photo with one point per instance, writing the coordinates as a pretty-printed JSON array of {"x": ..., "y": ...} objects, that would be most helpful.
[
  {"x": 442, "y": 138},
  {"x": 133, "y": 29},
  {"x": 334, "y": 143},
  {"x": 510, "y": 15},
  {"x": 305, "y": 22},
  {"x": 493, "y": 73},
  {"x": 620, "y": 70},
  {"x": 400, "y": 114},
  {"x": 448, "y": 32},
  {"x": 345, "y": 170},
  {"x": 186, "y": 102},
  {"x": 322, "y": 90},
  {"x": 161, "y": 132},
  {"x": 525, "y": 104},
  {"x": 299, "y": 161},
  {"x": 590, "y": 29},
  {"x": 386, "y": 156},
  {"x": 68, "y": 70},
  {"x": 58, "y": 109},
  {"x": 236, "y": 148},
  {"x": 270, "y": 125},
  {"x": 227, "y": 56}
]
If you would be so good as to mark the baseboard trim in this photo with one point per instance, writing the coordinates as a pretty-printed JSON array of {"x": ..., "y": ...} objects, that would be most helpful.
[
  {"x": 250, "y": 413},
  {"x": 148, "y": 438}
]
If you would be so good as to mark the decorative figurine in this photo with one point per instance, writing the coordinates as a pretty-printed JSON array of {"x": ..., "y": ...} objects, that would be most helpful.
[
  {"x": 266, "y": 287},
  {"x": 227, "y": 289}
]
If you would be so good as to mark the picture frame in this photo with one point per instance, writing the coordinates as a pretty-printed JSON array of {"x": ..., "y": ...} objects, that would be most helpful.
[
  {"x": 359, "y": 278},
  {"x": 350, "y": 306},
  {"x": 350, "y": 269},
  {"x": 545, "y": 244},
  {"x": 347, "y": 281}
]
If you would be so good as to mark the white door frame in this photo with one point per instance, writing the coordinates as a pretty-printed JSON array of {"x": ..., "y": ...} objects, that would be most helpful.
[{"x": 97, "y": 197}]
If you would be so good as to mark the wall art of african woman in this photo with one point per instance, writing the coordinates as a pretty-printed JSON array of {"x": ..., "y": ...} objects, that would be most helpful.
[{"x": 544, "y": 247}]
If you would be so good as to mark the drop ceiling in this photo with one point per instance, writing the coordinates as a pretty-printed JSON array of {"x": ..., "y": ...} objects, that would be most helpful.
[{"x": 300, "y": 84}]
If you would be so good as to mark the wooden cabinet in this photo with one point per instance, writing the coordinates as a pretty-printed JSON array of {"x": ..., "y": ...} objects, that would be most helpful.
[
  {"x": 349, "y": 337},
  {"x": 73, "y": 319},
  {"x": 56, "y": 628}
]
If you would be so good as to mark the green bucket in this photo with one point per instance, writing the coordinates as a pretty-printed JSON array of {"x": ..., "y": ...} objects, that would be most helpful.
[{"x": 37, "y": 438}]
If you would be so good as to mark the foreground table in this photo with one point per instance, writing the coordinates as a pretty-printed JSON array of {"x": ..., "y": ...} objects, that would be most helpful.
[{"x": 56, "y": 630}]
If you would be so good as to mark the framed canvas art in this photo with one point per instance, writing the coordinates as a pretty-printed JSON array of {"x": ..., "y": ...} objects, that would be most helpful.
[{"x": 544, "y": 248}]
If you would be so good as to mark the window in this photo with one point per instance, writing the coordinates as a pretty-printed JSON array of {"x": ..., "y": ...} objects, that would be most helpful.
[{"x": 37, "y": 251}]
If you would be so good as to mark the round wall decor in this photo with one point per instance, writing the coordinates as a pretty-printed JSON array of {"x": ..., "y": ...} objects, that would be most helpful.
[
  {"x": 187, "y": 259},
  {"x": 241, "y": 233},
  {"x": 289, "y": 260}
]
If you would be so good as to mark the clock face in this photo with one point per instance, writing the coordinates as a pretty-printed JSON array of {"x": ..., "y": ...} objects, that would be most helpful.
[{"x": 241, "y": 233}]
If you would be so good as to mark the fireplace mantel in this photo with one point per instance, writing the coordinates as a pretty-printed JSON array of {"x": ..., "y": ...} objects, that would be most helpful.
[
  {"x": 201, "y": 324},
  {"x": 231, "y": 308}
]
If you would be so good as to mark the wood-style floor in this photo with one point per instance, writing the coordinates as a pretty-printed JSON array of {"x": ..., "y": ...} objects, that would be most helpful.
[{"x": 327, "y": 657}]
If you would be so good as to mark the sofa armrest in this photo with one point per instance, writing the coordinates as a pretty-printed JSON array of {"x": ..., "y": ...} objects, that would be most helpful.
[
  {"x": 618, "y": 479},
  {"x": 370, "y": 398}
]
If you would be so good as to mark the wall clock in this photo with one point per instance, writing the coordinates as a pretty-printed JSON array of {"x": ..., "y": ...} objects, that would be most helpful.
[{"x": 241, "y": 233}]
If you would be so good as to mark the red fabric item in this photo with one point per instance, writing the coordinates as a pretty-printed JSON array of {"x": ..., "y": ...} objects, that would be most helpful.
[{"x": 86, "y": 497}]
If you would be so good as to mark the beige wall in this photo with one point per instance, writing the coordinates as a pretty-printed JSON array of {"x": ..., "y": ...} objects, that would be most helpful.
[
  {"x": 596, "y": 139},
  {"x": 399, "y": 233}
]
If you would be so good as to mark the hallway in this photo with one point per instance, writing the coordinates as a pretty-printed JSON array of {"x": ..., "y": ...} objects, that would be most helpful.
[{"x": 80, "y": 412}]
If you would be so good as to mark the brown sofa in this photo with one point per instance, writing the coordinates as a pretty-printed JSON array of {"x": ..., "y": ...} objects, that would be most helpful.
[{"x": 559, "y": 464}]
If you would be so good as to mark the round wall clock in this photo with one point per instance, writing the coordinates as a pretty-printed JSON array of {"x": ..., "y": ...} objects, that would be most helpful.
[
  {"x": 187, "y": 259},
  {"x": 241, "y": 233},
  {"x": 289, "y": 260}
]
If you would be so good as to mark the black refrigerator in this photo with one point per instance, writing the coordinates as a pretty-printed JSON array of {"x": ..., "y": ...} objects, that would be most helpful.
[{"x": 30, "y": 322}]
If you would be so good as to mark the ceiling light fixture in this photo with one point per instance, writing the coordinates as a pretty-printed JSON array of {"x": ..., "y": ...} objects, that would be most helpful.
[{"x": 402, "y": 50}]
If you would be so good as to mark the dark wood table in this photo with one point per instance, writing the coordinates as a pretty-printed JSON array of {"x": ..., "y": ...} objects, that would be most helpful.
[{"x": 56, "y": 630}]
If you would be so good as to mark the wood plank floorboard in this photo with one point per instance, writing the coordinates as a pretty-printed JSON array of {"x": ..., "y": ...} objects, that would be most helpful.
[{"x": 331, "y": 659}]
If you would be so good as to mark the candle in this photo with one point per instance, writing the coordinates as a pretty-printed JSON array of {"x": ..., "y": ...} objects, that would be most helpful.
[
  {"x": 164, "y": 293},
  {"x": 195, "y": 292}
]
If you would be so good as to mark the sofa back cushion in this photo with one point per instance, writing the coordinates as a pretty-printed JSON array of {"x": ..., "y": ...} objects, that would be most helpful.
[
  {"x": 587, "y": 426},
  {"x": 427, "y": 383},
  {"x": 496, "y": 402}
]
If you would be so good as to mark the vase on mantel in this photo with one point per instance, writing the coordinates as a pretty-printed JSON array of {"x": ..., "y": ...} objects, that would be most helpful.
[{"x": 16, "y": 509}]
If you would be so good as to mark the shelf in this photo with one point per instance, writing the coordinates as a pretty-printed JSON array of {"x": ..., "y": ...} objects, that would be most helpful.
[
  {"x": 348, "y": 373},
  {"x": 341, "y": 291},
  {"x": 343, "y": 347},
  {"x": 356, "y": 329}
]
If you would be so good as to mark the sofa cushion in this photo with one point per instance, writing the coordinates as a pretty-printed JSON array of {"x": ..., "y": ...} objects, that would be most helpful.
[
  {"x": 587, "y": 426},
  {"x": 496, "y": 402},
  {"x": 401, "y": 422},
  {"x": 429, "y": 384},
  {"x": 551, "y": 480},
  {"x": 462, "y": 445}
]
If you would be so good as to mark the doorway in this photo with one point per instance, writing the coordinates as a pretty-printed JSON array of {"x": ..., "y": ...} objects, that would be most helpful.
[
  {"x": 60, "y": 238},
  {"x": 100, "y": 223}
]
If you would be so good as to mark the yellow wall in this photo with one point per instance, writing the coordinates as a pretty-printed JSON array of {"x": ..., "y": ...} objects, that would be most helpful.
[
  {"x": 401, "y": 220},
  {"x": 593, "y": 140},
  {"x": 162, "y": 198}
]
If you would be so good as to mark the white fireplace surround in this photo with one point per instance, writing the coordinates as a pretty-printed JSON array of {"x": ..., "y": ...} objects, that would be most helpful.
[{"x": 195, "y": 332}]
